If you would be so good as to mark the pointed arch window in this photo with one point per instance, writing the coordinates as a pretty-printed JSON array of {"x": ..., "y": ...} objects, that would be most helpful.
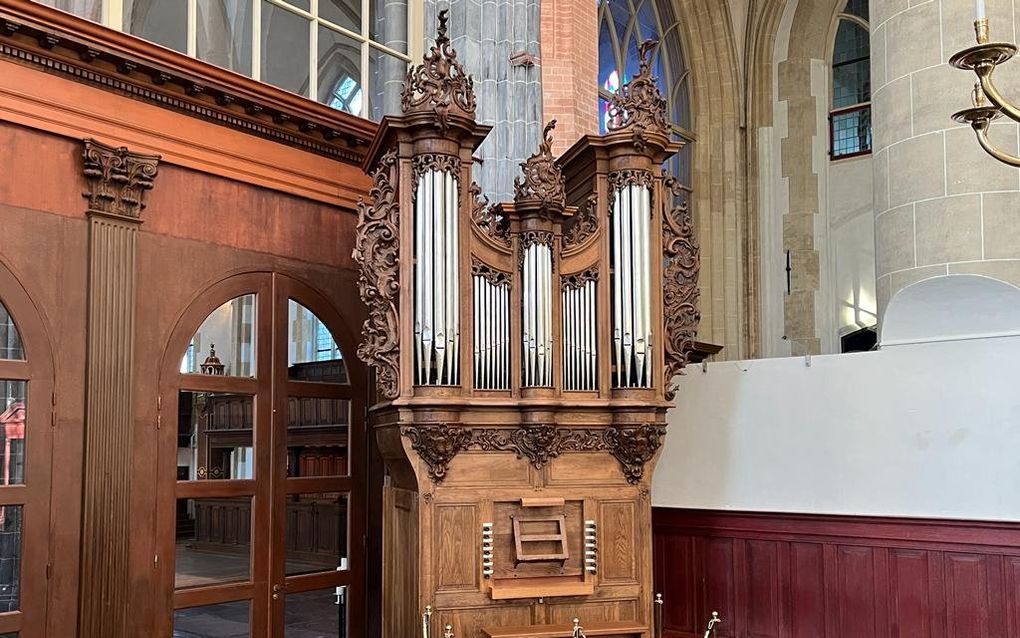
[
  {"x": 623, "y": 25},
  {"x": 850, "y": 115}
]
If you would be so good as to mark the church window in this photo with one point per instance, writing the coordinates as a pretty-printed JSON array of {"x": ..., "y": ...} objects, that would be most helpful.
[{"x": 850, "y": 117}]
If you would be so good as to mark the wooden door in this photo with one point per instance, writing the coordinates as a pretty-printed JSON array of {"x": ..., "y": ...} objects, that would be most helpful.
[{"x": 269, "y": 435}]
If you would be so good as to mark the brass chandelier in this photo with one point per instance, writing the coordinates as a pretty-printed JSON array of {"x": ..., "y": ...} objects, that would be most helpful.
[{"x": 989, "y": 103}]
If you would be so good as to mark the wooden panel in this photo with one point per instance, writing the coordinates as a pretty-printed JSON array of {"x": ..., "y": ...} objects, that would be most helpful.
[
  {"x": 617, "y": 536},
  {"x": 487, "y": 470},
  {"x": 804, "y": 576},
  {"x": 457, "y": 547},
  {"x": 469, "y": 622},
  {"x": 591, "y": 612},
  {"x": 594, "y": 468}
]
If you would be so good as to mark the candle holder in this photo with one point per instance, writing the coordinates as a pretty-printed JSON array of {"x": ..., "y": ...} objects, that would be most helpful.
[{"x": 982, "y": 60}]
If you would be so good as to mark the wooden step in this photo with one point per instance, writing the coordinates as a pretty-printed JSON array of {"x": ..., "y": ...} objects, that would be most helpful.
[{"x": 606, "y": 629}]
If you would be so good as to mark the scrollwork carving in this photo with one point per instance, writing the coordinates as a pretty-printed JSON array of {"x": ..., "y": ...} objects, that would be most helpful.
[
  {"x": 639, "y": 105},
  {"x": 579, "y": 279},
  {"x": 543, "y": 180},
  {"x": 378, "y": 252},
  {"x": 439, "y": 83},
  {"x": 633, "y": 447},
  {"x": 438, "y": 162},
  {"x": 585, "y": 223},
  {"x": 492, "y": 275},
  {"x": 117, "y": 179},
  {"x": 680, "y": 284},
  {"x": 484, "y": 217},
  {"x": 437, "y": 445},
  {"x": 532, "y": 238},
  {"x": 618, "y": 180}
]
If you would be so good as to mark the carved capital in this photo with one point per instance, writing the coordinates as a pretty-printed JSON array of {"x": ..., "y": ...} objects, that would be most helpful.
[
  {"x": 117, "y": 179},
  {"x": 680, "y": 284},
  {"x": 378, "y": 252},
  {"x": 437, "y": 445},
  {"x": 633, "y": 447},
  {"x": 543, "y": 181}
]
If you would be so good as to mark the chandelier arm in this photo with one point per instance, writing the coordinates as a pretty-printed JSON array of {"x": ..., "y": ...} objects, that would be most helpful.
[
  {"x": 984, "y": 73},
  {"x": 981, "y": 130}
]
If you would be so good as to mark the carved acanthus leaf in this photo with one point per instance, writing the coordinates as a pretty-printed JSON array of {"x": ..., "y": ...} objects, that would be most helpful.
[
  {"x": 484, "y": 217},
  {"x": 680, "y": 284},
  {"x": 639, "y": 104},
  {"x": 437, "y": 445},
  {"x": 378, "y": 252},
  {"x": 490, "y": 274},
  {"x": 439, "y": 83},
  {"x": 531, "y": 238},
  {"x": 584, "y": 224},
  {"x": 117, "y": 179},
  {"x": 618, "y": 180},
  {"x": 633, "y": 447},
  {"x": 579, "y": 279},
  {"x": 543, "y": 180}
]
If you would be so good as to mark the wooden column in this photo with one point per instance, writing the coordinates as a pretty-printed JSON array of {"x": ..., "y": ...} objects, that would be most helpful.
[{"x": 117, "y": 180}]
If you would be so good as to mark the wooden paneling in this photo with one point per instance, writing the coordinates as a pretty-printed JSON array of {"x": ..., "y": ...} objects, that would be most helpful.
[
  {"x": 618, "y": 533},
  {"x": 457, "y": 531},
  {"x": 803, "y": 576},
  {"x": 557, "y": 613}
]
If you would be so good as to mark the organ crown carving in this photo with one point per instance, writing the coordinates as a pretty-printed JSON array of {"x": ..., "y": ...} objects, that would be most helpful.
[
  {"x": 117, "y": 179},
  {"x": 542, "y": 183},
  {"x": 439, "y": 86}
]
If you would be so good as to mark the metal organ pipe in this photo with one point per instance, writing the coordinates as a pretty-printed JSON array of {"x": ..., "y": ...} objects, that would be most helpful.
[
  {"x": 632, "y": 309},
  {"x": 437, "y": 291},
  {"x": 579, "y": 334},
  {"x": 537, "y": 315},
  {"x": 491, "y": 328}
]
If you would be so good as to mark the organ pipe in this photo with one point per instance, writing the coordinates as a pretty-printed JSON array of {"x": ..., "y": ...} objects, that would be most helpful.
[
  {"x": 436, "y": 275},
  {"x": 536, "y": 317},
  {"x": 631, "y": 260},
  {"x": 491, "y": 328},
  {"x": 578, "y": 325}
]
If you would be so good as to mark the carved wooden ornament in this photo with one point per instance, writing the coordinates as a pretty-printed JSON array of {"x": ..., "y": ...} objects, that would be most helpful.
[
  {"x": 639, "y": 105},
  {"x": 117, "y": 179},
  {"x": 439, "y": 84},
  {"x": 680, "y": 284},
  {"x": 542, "y": 182}
]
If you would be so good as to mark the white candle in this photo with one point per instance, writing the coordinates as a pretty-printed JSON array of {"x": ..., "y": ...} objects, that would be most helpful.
[{"x": 980, "y": 10}]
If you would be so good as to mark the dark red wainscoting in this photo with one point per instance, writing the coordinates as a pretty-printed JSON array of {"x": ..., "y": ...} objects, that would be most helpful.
[{"x": 812, "y": 576}]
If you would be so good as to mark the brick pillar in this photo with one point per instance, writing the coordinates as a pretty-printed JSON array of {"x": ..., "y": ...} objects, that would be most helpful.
[{"x": 569, "y": 46}]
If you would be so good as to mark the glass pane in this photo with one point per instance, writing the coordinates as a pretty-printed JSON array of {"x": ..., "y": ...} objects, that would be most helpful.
[
  {"x": 10, "y": 557},
  {"x": 387, "y": 23},
  {"x": 317, "y": 431},
  {"x": 214, "y": 436},
  {"x": 225, "y": 620},
  {"x": 285, "y": 43},
  {"x": 224, "y": 33},
  {"x": 320, "y": 613},
  {"x": 10, "y": 340},
  {"x": 386, "y": 75},
  {"x": 344, "y": 13},
  {"x": 851, "y": 132},
  {"x": 85, "y": 8},
  {"x": 858, "y": 8},
  {"x": 339, "y": 71},
  {"x": 312, "y": 352},
  {"x": 161, "y": 21},
  {"x": 852, "y": 43},
  {"x": 316, "y": 533},
  {"x": 12, "y": 419},
  {"x": 213, "y": 541},
  {"x": 225, "y": 342},
  {"x": 851, "y": 83}
]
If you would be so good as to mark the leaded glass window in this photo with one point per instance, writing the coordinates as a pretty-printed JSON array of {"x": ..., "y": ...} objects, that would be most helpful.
[{"x": 850, "y": 117}]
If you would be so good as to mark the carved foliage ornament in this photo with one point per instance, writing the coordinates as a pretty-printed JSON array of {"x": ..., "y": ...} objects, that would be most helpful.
[
  {"x": 378, "y": 252},
  {"x": 543, "y": 180},
  {"x": 579, "y": 279},
  {"x": 117, "y": 179},
  {"x": 633, "y": 447},
  {"x": 484, "y": 217},
  {"x": 618, "y": 180},
  {"x": 532, "y": 238},
  {"x": 440, "y": 82},
  {"x": 427, "y": 162},
  {"x": 584, "y": 224},
  {"x": 680, "y": 284},
  {"x": 639, "y": 104},
  {"x": 493, "y": 276}
]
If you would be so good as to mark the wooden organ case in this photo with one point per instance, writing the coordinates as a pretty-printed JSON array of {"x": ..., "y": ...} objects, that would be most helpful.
[{"x": 523, "y": 356}]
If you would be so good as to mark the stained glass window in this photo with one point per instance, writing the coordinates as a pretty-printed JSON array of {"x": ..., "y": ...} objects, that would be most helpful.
[
  {"x": 623, "y": 25},
  {"x": 850, "y": 118}
]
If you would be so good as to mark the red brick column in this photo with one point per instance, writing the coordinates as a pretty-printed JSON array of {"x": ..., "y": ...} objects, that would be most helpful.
[{"x": 569, "y": 58}]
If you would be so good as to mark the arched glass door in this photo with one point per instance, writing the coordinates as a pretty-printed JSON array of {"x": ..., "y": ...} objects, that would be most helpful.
[{"x": 268, "y": 453}]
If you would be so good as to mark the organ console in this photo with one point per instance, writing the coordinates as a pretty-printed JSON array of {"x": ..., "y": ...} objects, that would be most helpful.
[{"x": 524, "y": 355}]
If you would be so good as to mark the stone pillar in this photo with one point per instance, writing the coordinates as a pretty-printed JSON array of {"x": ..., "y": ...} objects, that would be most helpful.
[
  {"x": 942, "y": 206},
  {"x": 498, "y": 44},
  {"x": 117, "y": 179}
]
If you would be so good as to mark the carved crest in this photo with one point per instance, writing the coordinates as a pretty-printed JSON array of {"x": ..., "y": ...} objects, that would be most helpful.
[
  {"x": 584, "y": 224},
  {"x": 437, "y": 445},
  {"x": 117, "y": 179},
  {"x": 633, "y": 447},
  {"x": 543, "y": 180},
  {"x": 639, "y": 104},
  {"x": 378, "y": 252},
  {"x": 439, "y": 83},
  {"x": 680, "y": 284},
  {"x": 484, "y": 217}
]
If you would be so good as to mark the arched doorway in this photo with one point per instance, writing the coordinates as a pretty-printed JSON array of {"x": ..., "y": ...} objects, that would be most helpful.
[
  {"x": 26, "y": 422},
  {"x": 262, "y": 414}
]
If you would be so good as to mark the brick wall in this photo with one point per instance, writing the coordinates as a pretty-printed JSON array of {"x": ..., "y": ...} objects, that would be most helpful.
[{"x": 569, "y": 49}]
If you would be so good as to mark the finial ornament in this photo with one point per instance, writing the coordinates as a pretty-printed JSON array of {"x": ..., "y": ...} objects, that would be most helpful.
[
  {"x": 639, "y": 104},
  {"x": 543, "y": 180},
  {"x": 440, "y": 83}
]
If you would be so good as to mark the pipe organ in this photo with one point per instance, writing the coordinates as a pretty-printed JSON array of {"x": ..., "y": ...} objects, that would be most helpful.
[{"x": 519, "y": 450}]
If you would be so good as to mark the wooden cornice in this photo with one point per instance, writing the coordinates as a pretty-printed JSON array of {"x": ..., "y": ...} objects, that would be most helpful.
[{"x": 63, "y": 44}]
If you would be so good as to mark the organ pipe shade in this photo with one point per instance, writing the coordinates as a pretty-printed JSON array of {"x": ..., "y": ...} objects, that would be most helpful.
[
  {"x": 536, "y": 315},
  {"x": 436, "y": 277},
  {"x": 491, "y": 312},
  {"x": 579, "y": 372},
  {"x": 632, "y": 307}
]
